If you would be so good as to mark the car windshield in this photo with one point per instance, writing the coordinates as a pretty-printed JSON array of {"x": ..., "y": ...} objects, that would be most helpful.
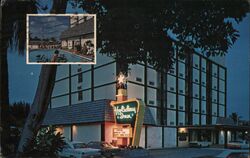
[{"x": 79, "y": 145}]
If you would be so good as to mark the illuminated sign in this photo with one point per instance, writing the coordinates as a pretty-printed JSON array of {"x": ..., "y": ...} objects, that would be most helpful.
[
  {"x": 130, "y": 112},
  {"x": 122, "y": 132},
  {"x": 125, "y": 113}
]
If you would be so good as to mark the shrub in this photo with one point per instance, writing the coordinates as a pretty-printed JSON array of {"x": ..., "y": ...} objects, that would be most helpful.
[{"x": 46, "y": 144}]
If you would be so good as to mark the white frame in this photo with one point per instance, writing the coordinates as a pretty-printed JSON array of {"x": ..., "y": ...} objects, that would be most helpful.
[{"x": 56, "y": 63}]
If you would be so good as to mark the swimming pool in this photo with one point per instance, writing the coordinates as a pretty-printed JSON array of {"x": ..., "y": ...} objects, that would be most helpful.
[{"x": 46, "y": 56}]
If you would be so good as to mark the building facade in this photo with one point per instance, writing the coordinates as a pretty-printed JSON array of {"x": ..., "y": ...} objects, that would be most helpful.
[
  {"x": 80, "y": 31},
  {"x": 193, "y": 93}
]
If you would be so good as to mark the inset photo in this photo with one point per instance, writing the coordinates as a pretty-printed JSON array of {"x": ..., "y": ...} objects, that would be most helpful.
[{"x": 61, "y": 39}]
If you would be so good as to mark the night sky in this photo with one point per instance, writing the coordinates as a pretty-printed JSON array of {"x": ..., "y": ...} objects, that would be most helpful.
[{"x": 23, "y": 78}]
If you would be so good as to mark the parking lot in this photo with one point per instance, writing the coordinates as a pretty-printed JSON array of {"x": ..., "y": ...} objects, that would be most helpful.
[{"x": 185, "y": 152}]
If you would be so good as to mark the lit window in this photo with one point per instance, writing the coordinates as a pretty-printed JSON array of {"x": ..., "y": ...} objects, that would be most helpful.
[
  {"x": 80, "y": 78},
  {"x": 80, "y": 95}
]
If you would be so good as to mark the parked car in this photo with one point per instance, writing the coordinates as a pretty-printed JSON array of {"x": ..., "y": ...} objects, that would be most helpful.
[
  {"x": 107, "y": 149},
  {"x": 77, "y": 149},
  {"x": 199, "y": 144},
  {"x": 238, "y": 144},
  {"x": 234, "y": 154}
]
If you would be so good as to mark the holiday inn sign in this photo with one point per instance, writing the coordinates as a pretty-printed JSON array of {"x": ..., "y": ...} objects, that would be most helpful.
[
  {"x": 125, "y": 113},
  {"x": 130, "y": 112}
]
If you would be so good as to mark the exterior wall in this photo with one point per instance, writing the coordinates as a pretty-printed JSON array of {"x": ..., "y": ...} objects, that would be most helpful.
[
  {"x": 64, "y": 43},
  {"x": 142, "y": 139},
  {"x": 221, "y": 137},
  {"x": 154, "y": 137},
  {"x": 66, "y": 131},
  {"x": 170, "y": 137},
  {"x": 109, "y": 132},
  {"x": 75, "y": 83},
  {"x": 86, "y": 133},
  {"x": 204, "y": 80}
]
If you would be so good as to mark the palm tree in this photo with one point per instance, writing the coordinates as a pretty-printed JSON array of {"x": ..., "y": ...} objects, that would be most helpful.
[
  {"x": 42, "y": 97},
  {"x": 13, "y": 33},
  {"x": 12, "y": 23},
  {"x": 235, "y": 117}
]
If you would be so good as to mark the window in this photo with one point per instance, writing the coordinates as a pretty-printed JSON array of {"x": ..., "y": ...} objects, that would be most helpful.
[
  {"x": 181, "y": 86},
  {"x": 196, "y": 105},
  {"x": 196, "y": 119},
  {"x": 203, "y": 107},
  {"x": 181, "y": 70},
  {"x": 214, "y": 96},
  {"x": 138, "y": 79},
  {"x": 196, "y": 61},
  {"x": 221, "y": 85},
  {"x": 203, "y": 65},
  {"x": 181, "y": 102},
  {"x": 61, "y": 87},
  {"x": 151, "y": 102},
  {"x": 196, "y": 76},
  {"x": 214, "y": 119},
  {"x": 214, "y": 109},
  {"x": 203, "y": 79},
  {"x": 79, "y": 69},
  {"x": 171, "y": 100},
  {"x": 151, "y": 83},
  {"x": 222, "y": 73},
  {"x": 203, "y": 119},
  {"x": 222, "y": 98},
  {"x": 214, "y": 83},
  {"x": 214, "y": 70},
  {"x": 79, "y": 95},
  {"x": 171, "y": 117},
  {"x": 171, "y": 83},
  {"x": 173, "y": 69},
  {"x": 79, "y": 87},
  {"x": 181, "y": 118},
  {"x": 80, "y": 78},
  {"x": 196, "y": 93},
  {"x": 203, "y": 93},
  {"x": 221, "y": 111}
]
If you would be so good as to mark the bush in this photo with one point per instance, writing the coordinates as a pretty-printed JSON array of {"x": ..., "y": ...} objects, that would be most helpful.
[{"x": 46, "y": 144}]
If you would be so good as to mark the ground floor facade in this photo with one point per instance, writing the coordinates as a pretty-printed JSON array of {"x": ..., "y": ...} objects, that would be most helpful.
[
  {"x": 95, "y": 121},
  {"x": 151, "y": 136}
]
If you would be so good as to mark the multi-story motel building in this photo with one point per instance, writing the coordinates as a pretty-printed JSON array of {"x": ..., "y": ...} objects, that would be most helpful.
[
  {"x": 182, "y": 105},
  {"x": 81, "y": 29}
]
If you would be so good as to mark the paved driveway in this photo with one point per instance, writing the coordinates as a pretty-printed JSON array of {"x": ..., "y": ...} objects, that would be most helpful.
[{"x": 185, "y": 152}]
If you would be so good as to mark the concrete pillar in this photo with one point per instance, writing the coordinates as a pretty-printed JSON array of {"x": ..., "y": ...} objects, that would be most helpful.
[{"x": 225, "y": 139}]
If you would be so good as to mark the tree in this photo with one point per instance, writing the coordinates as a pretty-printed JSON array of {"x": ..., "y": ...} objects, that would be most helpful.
[
  {"x": 42, "y": 96},
  {"x": 47, "y": 143},
  {"x": 235, "y": 117},
  {"x": 12, "y": 23},
  {"x": 132, "y": 31},
  {"x": 13, "y": 32},
  {"x": 19, "y": 112},
  {"x": 140, "y": 31}
]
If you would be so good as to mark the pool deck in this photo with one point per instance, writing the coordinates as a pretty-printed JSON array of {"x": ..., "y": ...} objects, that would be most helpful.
[
  {"x": 90, "y": 59},
  {"x": 81, "y": 56}
]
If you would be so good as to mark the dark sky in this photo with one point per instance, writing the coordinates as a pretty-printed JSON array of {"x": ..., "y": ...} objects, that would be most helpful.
[
  {"x": 23, "y": 78},
  {"x": 237, "y": 63},
  {"x": 47, "y": 26}
]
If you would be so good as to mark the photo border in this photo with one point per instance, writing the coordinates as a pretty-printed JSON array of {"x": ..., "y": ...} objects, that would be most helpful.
[{"x": 58, "y": 63}]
